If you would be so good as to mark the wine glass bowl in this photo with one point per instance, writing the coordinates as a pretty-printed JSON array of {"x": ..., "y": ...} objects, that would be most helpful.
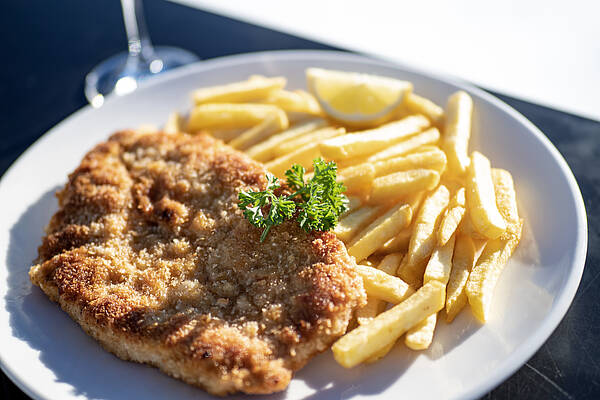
[{"x": 123, "y": 72}]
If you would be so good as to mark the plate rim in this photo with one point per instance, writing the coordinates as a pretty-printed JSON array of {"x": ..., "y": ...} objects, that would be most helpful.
[{"x": 522, "y": 352}]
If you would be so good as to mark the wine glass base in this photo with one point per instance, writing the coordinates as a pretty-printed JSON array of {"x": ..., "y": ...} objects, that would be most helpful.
[{"x": 122, "y": 73}]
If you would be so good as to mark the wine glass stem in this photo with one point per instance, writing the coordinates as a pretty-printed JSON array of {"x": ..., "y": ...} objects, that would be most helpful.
[{"x": 138, "y": 39}]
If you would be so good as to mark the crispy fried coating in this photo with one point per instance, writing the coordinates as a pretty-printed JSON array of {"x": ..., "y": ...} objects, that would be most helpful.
[{"x": 150, "y": 254}]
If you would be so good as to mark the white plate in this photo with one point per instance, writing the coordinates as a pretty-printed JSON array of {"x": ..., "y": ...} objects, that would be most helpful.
[{"x": 50, "y": 357}]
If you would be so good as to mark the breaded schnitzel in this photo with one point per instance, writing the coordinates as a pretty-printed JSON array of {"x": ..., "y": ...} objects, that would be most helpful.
[{"x": 150, "y": 254}]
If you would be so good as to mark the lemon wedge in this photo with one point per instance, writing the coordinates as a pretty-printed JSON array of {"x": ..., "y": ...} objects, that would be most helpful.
[{"x": 355, "y": 98}]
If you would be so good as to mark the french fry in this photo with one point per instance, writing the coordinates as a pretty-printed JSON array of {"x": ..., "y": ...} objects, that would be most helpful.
[
  {"x": 380, "y": 354},
  {"x": 391, "y": 187},
  {"x": 440, "y": 263},
  {"x": 354, "y": 222},
  {"x": 265, "y": 151},
  {"x": 353, "y": 204},
  {"x": 312, "y": 137},
  {"x": 312, "y": 102},
  {"x": 256, "y": 134},
  {"x": 372, "y": 140},
  {"x": 253, "y": 89},
  {"x": 438, "y": 269},
  {"x": 390, "y": 263},
  {"x": 398, "y": 243},
  {"x": 303, "y": 156},
  {"x": 226, "y": 135},
  {"x": 506, "y": 201},
  {"x": 367, "y": 340},
  {"x": 414, "y": 200},
  {"x": 454, "y": 215},
  {"x": 296, "y": 118},
  {"x": 429, "y": 136},
  {"x": 423, "y": 239},
  {"x": 374, "y": 306},
  {"x": 434, "y": 159},
  {"x": 381, "y": 230},
  {"x": 351, "y": 162},
  {"x": 481, "y": 199},
  {"x": 486, "y": 273},
  {"x": 232, "y": 115},
  {"x": 457, "y": 132},
  {"x": 479, "y": 246},
  {"x": 466, "y": 228},
  {"x": 420, "y": 336},
  {"x": 358, "y": 179},
  {"x": 297, "y": 101},
  {"x": 453, "y": 184},
  {"x": 174, "y": 123},
  {"x": 462, "y": 262},
  {"x": 424, "y": 148},
  {"x": 416, "y": 104},
  {"x": 373, "y": 260},
  {"x": 383, "y": 286},
  {"x": 366, "y": 313}
]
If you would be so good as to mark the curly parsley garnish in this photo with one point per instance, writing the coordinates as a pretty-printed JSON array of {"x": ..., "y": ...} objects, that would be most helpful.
[{"x": 316, "y": 204}]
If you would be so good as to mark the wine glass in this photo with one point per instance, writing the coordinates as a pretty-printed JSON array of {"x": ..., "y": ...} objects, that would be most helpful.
[{"x": 123, "y": 72}]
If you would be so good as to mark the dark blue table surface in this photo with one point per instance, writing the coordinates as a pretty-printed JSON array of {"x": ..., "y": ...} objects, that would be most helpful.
[{"x": 48, "y": 47}]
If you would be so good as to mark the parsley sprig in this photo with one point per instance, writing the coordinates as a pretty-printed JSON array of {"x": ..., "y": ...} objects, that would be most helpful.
[{"x": 315, "y": 204}]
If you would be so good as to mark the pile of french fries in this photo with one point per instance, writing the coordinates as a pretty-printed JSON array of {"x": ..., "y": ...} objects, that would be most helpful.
[{"x": 431, "y": 226}]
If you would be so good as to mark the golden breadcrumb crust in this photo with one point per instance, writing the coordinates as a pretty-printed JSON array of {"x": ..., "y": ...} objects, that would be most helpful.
[{"x": 150, "y": 254}]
